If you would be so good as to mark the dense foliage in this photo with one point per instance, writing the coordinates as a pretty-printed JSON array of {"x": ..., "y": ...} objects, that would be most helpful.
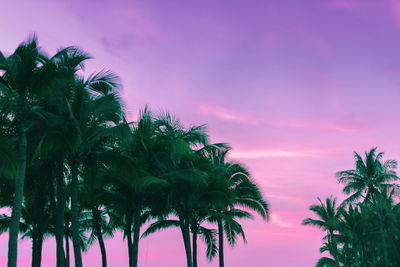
[
  {"x": 72, "y": 167},
  {"x": 364, "y": 230}
]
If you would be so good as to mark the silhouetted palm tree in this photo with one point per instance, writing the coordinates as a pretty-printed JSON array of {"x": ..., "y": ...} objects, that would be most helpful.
[
  {"x": 21, "y": 85},
  {"x": 236, "y": 189},
  {"x": 370, "y": 177},
  {"x": 184, "y": 179},
  {"x": 328, "y": 220}
]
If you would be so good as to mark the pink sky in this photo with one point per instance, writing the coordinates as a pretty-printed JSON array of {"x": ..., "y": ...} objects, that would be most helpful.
[{"x": 294, "y": 86}]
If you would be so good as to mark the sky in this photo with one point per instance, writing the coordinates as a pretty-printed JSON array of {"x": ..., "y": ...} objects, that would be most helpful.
[{"x": 294, "y": 86}]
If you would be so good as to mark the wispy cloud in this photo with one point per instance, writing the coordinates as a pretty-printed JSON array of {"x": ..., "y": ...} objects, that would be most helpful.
[
  {"x": 285, "y": 197},
  {"x": 340, "y": 122},
  {"x": 275, "y": 219},
  {"x": 226, "y": 114},
  {"x": 268, "y": 154}
]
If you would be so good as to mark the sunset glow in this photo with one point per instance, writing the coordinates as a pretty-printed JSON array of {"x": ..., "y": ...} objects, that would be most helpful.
[{"x": 293, "y": 86}]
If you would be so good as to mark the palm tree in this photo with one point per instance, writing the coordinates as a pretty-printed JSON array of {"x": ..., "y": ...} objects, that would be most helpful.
[
  {"x": 185, "y": 181},
  {"x": 98, "y": 219},
  {"x": 21, "y": 84},
  {"x": 328, "y": 214},
  {"x": 60, "y": 133},
  {"x": 134, "y": 184},
  {"x": 236, "y": 190},
  {"x": 94, "y": 106},
  {"x": 370, "y": 177},
  {"x": 354, "y": 230}
]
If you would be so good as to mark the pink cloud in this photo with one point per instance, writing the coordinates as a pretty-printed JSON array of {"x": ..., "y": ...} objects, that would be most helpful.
[
  {"x": 344, "y": 123},
  {"x": 226, "y": 114},
  {"x": 285, "y": 197},
  {"x": 276, "y": 219},
  {"x": 268, "y": 154}
]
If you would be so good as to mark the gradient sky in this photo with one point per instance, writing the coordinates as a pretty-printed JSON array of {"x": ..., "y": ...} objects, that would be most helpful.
[{"x": 294, "y": 86}]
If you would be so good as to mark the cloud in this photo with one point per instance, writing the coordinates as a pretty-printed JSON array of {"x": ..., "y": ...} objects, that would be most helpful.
[
  {"x": 226, "y": 114},
  {"x": 340, "y": 122},
  {"x": 268, "y": 154},
  {"x": 285, "y": 197},
  {"x": 275, "y": 219}
]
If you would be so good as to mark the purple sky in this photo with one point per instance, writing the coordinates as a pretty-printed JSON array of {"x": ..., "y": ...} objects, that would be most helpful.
[{"x": 294, "y": 86}]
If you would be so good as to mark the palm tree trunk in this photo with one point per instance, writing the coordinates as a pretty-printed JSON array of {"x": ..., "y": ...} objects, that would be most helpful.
[
  {"x": 220, "y": 243},
  {"x": 128, "y": 233},
  {"x": 74, "y": 215},
  {"x": 67, "y": 257},
  {"x": 39, "y": 225},
  {"x": 40, "y": 245},
  {"x": 184, "y": 224},
  {"x": 136, "y": 233},
  {"x": 96, "y": 220},
  {"x": 194, "y": 245},
  {"x": 34, "y": 246},
  {"x": 18, "y": 199},
  {"x": 59, "y": 213}
]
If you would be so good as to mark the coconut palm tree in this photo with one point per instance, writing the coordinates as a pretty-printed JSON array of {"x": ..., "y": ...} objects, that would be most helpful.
[
  {"x": 236, "y": 189},
  {"x": 95, "y": 106},
  {"x": 98, "y": 219},
  {"x": 185, "y": 181},
  {"x": 370, "y": 177},
  {"x": 60, "y": 132},
  {"x": 133, "y": 184},
  {"x": 328, "y": 220},
  {"x": 20, "y": 84}
]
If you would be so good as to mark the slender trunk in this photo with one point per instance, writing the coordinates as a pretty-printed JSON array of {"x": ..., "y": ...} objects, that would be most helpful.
[
  {"x": 40, "y": 245},
  {"x": 67, "y": 257},
  {"x": 128, "y": 233},
  {"x": 194, "y": 245},
  {"x": 220, "y": 243},
  {"x": 53, "y": 205},
  {"x": 136, "y": 233},
  {"x": 99, "y": 235},
  {"x": 74, "y": 215},
  {"x": 184, "y": 224},
  {"x": 18, "y": 199},
  {"x": 39, "y": 217},
  {"x": 59, "y": 216},
  {"x": 34, "y": 246}
]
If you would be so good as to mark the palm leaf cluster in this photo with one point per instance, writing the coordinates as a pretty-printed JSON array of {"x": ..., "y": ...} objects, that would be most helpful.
[
  {"x": 364, "y": 230},
  {"x": 73, "y": 168}
]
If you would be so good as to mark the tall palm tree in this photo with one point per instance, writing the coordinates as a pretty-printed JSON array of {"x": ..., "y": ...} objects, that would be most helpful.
[
  {"x": 20, "y": 84},
  {"x": 60, "y": 134},
  {"x": 370, "y": 177},
  {"x": 94, "y": 106},
  {"x": 328, "y": 220},
  {"x": 238, "y": 190},
  {"x": 185, "y": 181},
  {"x": 98, "y": 219},
  {"x": 134, "y": 186}
]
